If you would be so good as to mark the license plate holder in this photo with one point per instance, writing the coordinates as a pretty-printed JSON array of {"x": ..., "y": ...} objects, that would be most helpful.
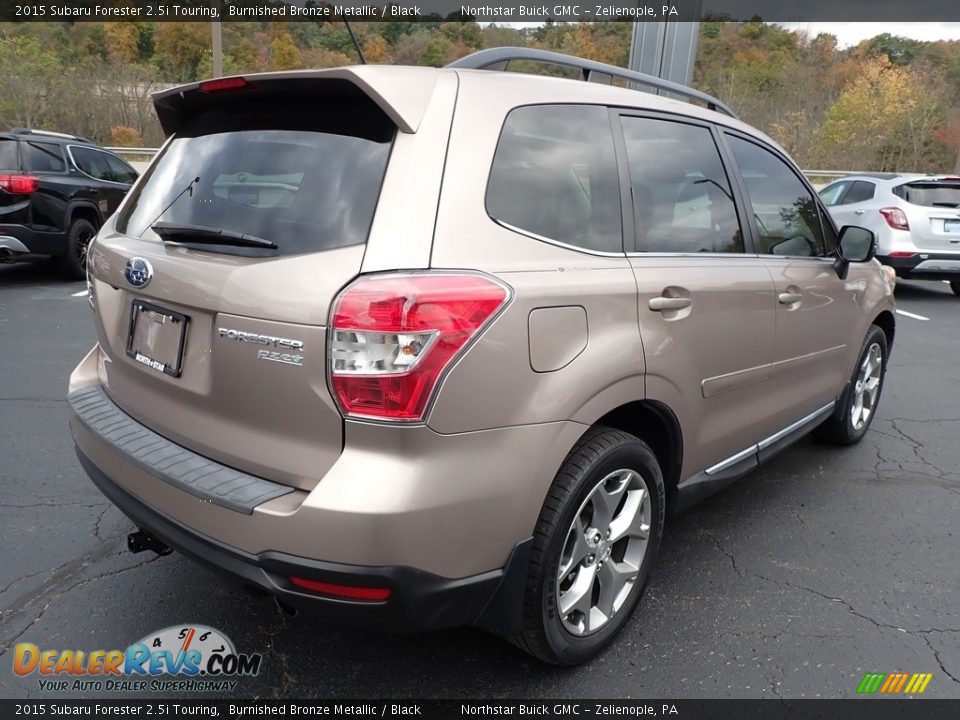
[
  {"x": 157, "y": 337},
  {"x": 951, "y": 226}
]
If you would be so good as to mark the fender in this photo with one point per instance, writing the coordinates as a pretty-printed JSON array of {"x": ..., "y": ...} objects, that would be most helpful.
[{"x": 75, "y": 205}]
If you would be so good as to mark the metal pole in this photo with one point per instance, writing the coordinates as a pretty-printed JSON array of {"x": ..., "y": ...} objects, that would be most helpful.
[{"x": 217, "y": 42}]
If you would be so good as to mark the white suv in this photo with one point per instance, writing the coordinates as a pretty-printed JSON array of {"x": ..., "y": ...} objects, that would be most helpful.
[{"x": 916, "y": 219}]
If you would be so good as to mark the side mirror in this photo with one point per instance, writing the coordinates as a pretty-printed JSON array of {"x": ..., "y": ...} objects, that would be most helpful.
[{"x": 855, "y": 244}]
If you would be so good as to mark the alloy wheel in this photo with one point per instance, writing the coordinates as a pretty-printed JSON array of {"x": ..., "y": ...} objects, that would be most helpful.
[
  {"x": 603, "y": 552},
  {"x": 866, "y": 387}
]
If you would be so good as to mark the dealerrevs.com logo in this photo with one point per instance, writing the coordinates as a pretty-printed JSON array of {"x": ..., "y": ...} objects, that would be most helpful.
[{"x": 182, "y": 658}]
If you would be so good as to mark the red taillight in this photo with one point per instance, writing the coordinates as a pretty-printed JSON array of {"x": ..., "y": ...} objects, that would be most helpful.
[
  {"x": 895, "y": 217},
  {"x": 19, "y": 184},
  {"x": 392, "y": 337},
  {"x": 227, "y": 84},
  {"x": 901, "y": 254},
  {"x": 347, "y": 592}
]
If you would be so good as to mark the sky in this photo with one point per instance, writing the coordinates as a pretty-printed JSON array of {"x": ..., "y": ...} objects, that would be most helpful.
[{"x": 849, "y": 33}]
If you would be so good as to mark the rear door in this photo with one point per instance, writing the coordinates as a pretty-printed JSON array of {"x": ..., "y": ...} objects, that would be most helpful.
[
  {"x": 706, "y": 305},
  {"x": 934, "y": 213},
  {"x": 854, "y": 203},
  {"x": 219, "y": 347},
  {"x": 816, "y": 311},
  {"x": 97, "y": 182}
]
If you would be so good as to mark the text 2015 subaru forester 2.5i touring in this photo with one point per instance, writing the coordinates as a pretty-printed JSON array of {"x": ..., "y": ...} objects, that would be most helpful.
[{"x": 429, "y": 347}]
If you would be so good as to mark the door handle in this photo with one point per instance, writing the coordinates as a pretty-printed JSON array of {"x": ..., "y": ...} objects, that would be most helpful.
[
  {"x": 789, "y": 298},
  {"x": 661, "y": 304},
  {"x": 859, "y": 212}
]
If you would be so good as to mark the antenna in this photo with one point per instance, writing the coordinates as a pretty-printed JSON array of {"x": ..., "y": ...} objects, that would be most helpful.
[{"x": 363, "y": 60}]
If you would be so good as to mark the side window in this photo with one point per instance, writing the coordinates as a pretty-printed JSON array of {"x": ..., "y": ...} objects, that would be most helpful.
[
  {"x": 832, "y": 193},
  {"x": 91, "y": 162},
  {"x": 785, "y": 211},
  {"x": 681, "y": 195},
  {"x": 860, "y": 192},
  {"x": 8, "y": 154},
  {"x": 122, "y": 173},
  {"x": 42, "y": 157},
  {"x": 554, "y": 175}
]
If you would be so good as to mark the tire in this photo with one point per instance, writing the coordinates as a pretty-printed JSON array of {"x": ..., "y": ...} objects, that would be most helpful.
[
  {"x": 845, "y": 426},
  {"x": 73, "y": 263},
  {"x": 625, "y": 473},
  {"x": 955, "y": 286}
]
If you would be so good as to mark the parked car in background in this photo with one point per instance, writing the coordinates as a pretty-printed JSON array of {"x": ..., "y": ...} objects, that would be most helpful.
[
  {"x": 446, "y": 352},
  {"x": 916, "y": 219},
  {"x": 56, "y": 190}
]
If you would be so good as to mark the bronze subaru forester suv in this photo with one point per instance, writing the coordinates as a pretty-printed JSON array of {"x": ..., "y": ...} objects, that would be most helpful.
[{"x": 419, "y": 348}]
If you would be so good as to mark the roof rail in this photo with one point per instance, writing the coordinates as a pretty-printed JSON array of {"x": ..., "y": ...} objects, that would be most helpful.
[
  {"x": 502, "y": 56},
  {"x": 48, "y": 133}
]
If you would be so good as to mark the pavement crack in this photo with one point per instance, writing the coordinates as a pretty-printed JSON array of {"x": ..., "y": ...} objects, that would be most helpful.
[
  {"x": 936, "y": 655},
  {"x": 918, "y": 447},
  {"x": 18, "y": 579},
  {"x": 96, "y": 527},
  {"x": 50, "y": 597},
  {"x": 26, "y": 506},
  {"x": 722, "y": 549}
]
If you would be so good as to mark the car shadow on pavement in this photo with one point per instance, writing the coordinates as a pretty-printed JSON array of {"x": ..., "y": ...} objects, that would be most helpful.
[{"x": 30, "y": 273}]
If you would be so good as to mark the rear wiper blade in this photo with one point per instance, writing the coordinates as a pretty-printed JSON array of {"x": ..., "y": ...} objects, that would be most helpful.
[
  {"x": 173, "y": 232},
  {"x": 946, "y": 204}
]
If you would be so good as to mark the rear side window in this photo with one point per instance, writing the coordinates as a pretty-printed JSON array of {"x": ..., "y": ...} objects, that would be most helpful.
[
  {"x": 8, "y": 155},
  {"x": 860, "y": 191},
  {"x": 554, "y": 175},
  {"x": 304, "y": 175},
  {"x": 92, "y": 162},
  {"x": 120, "y": 171},
  {"x": 42, "y": 157},
  {"x": 931, "y": 194},
  {"x": 681, "y": 196}
]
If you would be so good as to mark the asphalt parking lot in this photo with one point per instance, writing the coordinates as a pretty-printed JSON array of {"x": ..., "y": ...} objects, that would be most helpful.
[{"x": 823, "y": 565}]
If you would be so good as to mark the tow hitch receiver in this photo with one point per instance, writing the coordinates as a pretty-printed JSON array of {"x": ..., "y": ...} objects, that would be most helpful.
[{"x": 139, "y": 541}]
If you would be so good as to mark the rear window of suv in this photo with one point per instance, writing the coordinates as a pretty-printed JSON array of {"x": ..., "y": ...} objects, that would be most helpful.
[
  {"x": 931, "y": 194},
  {"x": 304, "y": 175}
]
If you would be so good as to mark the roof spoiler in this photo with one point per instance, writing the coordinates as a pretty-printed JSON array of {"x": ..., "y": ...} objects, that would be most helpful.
[
  {"x": 590, "y": 71},
  {"x": 403, "y": 93}
]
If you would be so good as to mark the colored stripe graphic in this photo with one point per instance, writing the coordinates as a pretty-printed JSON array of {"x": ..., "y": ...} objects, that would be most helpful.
[
  {"x": 894, "y": 683},
  {"x": 871, "y": 682},
  {"x": 922, "y": 685}
]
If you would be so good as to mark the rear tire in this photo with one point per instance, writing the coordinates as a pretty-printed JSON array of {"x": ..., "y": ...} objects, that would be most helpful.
[
  {"x": 857, "y": 406},
  {"x": 73, "y": 263},
  {"x": 955, "y": 286},
  {"x": 595, "y": 546}
]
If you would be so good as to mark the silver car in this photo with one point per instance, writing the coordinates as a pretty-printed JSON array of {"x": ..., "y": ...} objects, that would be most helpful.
[{"x": 916, "y": 219}]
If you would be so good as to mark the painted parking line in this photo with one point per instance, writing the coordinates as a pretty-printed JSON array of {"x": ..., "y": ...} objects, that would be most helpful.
[
  {"x": 911, "y": 315},
  {"x": 82, "y": 293}
]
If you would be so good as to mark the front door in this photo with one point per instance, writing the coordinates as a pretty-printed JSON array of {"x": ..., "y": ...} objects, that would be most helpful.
[
  {"x": 816, "y": 309},
  {"x": 706, "y": 305}
]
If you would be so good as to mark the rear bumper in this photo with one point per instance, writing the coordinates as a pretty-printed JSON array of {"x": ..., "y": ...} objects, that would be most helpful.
[
  {"x": 418, "y": 600},
  {"x": 925, "y": 266},
  {"x": 24, "y": 240}
]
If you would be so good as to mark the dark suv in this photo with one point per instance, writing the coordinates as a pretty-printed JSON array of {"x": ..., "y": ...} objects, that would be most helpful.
[{"x": 55, "y": 192}]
